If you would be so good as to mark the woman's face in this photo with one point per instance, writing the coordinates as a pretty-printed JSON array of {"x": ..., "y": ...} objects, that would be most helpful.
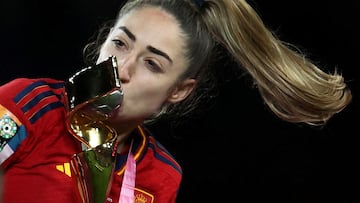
[{"x": 150, "y": 55}]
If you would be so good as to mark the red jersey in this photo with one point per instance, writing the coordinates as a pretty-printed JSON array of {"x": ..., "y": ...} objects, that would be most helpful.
[{"x": 36, "y": 149}]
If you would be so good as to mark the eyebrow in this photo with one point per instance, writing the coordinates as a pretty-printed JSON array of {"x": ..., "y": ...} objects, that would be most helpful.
[
  {"x": 128, "y": 33},
  {"x": 150, "y": 48},
  {"x": 158, "y": 52}
]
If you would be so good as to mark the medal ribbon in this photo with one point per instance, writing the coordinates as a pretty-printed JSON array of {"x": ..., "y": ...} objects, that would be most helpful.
[{"x": 128, "y": 184}]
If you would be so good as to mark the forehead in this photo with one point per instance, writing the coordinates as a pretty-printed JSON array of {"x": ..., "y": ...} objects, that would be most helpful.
[{"x": 155, "y": 27}]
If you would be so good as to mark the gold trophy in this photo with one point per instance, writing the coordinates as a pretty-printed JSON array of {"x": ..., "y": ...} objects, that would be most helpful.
[{"x": 93, "y": 94}]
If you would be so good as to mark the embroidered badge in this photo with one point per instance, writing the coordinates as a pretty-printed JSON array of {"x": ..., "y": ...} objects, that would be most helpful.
[
  {"x": 143, "y": 197},
  {"x": 8, "y": 127}
]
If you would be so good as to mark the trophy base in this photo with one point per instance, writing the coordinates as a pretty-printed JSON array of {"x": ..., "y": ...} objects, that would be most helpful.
[{"x": 93, "y": 171}]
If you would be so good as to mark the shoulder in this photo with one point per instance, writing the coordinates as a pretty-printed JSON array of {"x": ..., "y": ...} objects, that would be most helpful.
[
  {"x": 158, "y": 172},
  {"x": 158, "y": 152},
  {"x": 32, "y": 108},
  {"x": 20, "y": 83},
  {"x": 31, "y": 99}
]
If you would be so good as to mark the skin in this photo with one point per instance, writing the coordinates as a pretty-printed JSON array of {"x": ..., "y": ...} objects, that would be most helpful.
[{"x": 149, "y": 78}]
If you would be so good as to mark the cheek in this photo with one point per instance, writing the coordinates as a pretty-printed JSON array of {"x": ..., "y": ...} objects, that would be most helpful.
[
  {"x": 105, "y": 52},
  {"x": 154, "y": 91},
  {"x": 143, "y": 100},
  {"x": 101, "y": 57}
]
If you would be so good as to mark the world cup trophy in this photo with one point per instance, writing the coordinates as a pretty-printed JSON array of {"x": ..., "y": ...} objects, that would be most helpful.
[{"x": 93, "y": 94}]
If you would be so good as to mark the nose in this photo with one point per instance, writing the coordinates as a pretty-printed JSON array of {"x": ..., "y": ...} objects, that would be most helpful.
[{"x": 125, "y": 68}]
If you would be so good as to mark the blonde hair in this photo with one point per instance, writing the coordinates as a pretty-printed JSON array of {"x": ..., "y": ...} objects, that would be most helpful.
[{"x": 293, "y": 87}]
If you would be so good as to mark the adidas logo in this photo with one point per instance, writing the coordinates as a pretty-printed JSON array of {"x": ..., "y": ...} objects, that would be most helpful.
[{"x": 64, "y": 168}]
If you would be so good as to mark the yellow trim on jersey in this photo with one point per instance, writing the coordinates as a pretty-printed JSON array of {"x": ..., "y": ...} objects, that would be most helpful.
[{"x": 140, "y": 149}]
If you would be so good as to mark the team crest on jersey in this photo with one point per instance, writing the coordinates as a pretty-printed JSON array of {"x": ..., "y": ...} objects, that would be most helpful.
[
  {"x": 143, "y": 197},
  {"x": 8, "y": 126}
]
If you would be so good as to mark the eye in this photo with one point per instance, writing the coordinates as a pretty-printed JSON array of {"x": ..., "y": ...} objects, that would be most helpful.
[
  {"x": 153, "y": 66},
  {"x": 119, "y": 44}
]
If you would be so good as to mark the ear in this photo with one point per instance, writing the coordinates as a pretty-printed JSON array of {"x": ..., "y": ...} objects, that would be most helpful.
[{"x": 181, "y": 91}]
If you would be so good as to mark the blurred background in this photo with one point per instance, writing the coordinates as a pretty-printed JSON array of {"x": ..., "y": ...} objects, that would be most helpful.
[{"x": 237, "y": 151}]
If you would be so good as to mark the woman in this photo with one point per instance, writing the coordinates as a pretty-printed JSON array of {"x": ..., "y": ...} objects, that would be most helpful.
[{"x": 171, "y": 56}]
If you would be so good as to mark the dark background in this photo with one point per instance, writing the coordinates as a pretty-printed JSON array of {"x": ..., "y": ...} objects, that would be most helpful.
[{"x": 237, "y": 151}]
